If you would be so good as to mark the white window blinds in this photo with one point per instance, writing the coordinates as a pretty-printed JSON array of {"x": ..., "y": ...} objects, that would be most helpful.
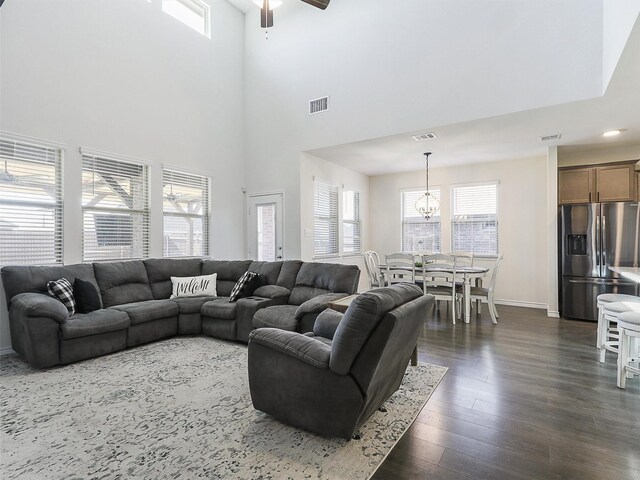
[
  {"x": 186, "y": 213},
  {"x": 115, "y": 207},
  {"x": 31, "y": 206},
  {"x": 351, "y": 229},
  {"x": 326, "y": 226},
  {"x": 474, "y": 221},
  {"x": 418, "y": 234}
]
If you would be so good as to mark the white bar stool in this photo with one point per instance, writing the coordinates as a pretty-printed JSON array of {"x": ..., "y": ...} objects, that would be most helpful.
[
  {"x": 607, "y": 336},
  {"x": 629, "y": 328},
  {"x": 603, "y": 299}
]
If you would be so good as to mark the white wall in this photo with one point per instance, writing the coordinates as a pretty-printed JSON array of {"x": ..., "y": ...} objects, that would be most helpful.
[
  {"x": 122, "y": 76},
  {"x": 597, "y": 155},
  {"x": 522, "y": 217},
  {"x": 618, "y": 19},
  {"x": 393, "y": 67},
  {"x": 312, "y": 168}
]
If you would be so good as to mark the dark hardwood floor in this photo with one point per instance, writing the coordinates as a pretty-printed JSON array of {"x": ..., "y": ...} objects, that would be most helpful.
[{"x": 524, "y": 399}]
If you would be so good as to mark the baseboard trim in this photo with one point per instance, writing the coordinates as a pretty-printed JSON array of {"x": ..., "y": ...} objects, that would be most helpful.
[
  {"x": 6, "y": 351},
  {"x": 553, "y": 314},
  {"x": 518, "y": 303}
]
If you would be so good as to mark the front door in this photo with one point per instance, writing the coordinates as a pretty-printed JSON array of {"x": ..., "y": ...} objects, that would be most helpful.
[{"x": 264, "y": 227}]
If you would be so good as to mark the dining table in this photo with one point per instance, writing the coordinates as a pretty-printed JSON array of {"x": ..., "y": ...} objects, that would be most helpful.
[{"x": 465, "y": 274}]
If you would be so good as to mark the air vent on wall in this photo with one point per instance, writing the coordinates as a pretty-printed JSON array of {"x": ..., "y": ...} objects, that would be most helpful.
[
  {"x": 547, "y": 138},
  {"x": 424, "y": 136},
  {"x": 319, "y": 105}
]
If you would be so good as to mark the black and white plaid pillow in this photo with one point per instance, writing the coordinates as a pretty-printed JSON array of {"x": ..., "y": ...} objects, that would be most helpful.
[
  {"x": 244, "y": 286},
  {"x": 63, "y": 291}
]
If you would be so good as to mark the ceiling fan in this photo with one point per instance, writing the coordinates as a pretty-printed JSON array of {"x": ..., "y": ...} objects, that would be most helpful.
[{"x": 267, "y": 6}]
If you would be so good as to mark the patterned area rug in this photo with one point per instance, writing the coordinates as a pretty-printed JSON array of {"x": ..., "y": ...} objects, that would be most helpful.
[{"x": 177, "y": 409}]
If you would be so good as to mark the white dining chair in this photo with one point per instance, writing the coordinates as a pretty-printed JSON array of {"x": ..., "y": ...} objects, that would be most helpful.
[
  {"x": 401, "y": 268},
  {"x": 442, "y": 286},
  {"x": 607, "y": 335},
  {"x": 481, "y": 293},
  {"x": 372, "y": 265},
  {"x": 463, "y": 259}
]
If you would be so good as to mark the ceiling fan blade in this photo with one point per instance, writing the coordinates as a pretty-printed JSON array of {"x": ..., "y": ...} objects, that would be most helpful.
[
  {"x": 321, "y": 4},
  {"x": 266, "y": 18}
]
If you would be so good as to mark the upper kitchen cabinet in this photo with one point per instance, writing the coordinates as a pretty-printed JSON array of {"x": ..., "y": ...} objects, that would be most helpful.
[
  {"x": 599, "y": 183},
  {"x": 575, "y": 185},
  {"x": 615, "y": 183}
]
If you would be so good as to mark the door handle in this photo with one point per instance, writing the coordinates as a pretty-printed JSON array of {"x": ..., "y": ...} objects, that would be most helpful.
[{"x": 279, "y": 257}]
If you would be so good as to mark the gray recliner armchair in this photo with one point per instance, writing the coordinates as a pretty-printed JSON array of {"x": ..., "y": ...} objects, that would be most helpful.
[{"x": 331, "y": 380}]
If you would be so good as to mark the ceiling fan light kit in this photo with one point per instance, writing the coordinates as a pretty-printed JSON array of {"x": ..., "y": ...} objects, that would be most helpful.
[{"x": 267, "y": 7}]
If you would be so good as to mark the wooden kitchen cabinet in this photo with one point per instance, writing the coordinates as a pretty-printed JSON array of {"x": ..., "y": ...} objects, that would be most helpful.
[
  {"x": 617, "y": 182},
  {"x": 575, "y": 185}
]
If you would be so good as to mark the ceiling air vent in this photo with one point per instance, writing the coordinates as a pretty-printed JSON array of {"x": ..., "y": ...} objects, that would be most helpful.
[
  {"x": 548, "y": 138},
  {"x": 319, "y": 105},
  {"x": 425, "y": 136}
]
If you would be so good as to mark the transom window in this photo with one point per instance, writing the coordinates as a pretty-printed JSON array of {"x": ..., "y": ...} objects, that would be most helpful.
[
  {"x": 193, "y": 13},
  {"x": 418, "y": 234},
  {"x": 474, "y": 218},
  {"x": 115, "y": 207},
  {"x": 31, "y": 207},
  {"x": 185, "y": 207}
]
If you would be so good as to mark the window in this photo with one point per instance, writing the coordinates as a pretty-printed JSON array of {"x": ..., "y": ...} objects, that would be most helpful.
[
  {"x": 185, "y": 206},
  {"x": 351, "y": 242},
  {"x": 30, "y": 203},
  {"x": 193, "y": 13},
  {"x": 474, "y": 222},
  {"x": 115, "y": 209},
  {"x": 325, "y": 226},
  {"x": 419, "y": 234}
]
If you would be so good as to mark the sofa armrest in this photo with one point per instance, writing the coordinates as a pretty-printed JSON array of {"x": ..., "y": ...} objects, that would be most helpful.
[
  {"x": 318, "y": 304},
  {"x": 272, "y": 291},
  {"x": 327, "y": 323},
  {"x": 40, "y": 305},
  {"x": 293, "y": 344}
]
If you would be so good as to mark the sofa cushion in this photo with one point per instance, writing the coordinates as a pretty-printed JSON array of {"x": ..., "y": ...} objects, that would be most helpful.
[
  {"x": 25, "y": 279},
  {"x": 229, "y": 272},
  {"x": 141, "y": 312},
  {"x": 160, "y": 271},
  {"x": 278, "y": 316},
  {"x": 288, "y": 273},
  {"x": 94, "y": 323},
  {"x": 272, "y": 291},
  {"x": 122, "y": 282},
  {"x": 191, "y": 304},
  {"x": 245, "y": 286},
  {"x": 268, "y": 271},
  {"x": 318, "y": 278},
  {"x": 220, "y": 308}
]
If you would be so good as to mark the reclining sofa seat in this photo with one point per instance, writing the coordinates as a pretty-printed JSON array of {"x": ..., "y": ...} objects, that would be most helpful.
[
  {"x": 314, "y": 287},
  {"x": 331, "y": 380},
  {"x": 136, "y": 306}
]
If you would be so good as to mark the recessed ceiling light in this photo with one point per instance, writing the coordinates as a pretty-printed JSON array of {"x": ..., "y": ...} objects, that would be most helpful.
[{"x": 611, "y": 133}]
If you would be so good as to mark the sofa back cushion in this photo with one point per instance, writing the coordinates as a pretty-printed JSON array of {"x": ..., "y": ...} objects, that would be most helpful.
[
  {"x": 25, "y": 279},
  {"x": 288, "y": 273},
  {"x": 229, "y": 272},
  {"x": 123, "y": 282},
  {"x": 268, "y": 271},
  {"x": 362, "y": 317},
  {"x": 160, "y": 271},
  {"x": 315, "y": 279}
]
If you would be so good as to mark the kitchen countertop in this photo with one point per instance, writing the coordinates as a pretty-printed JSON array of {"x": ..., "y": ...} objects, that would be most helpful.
[{"x": 631, "y": 273}]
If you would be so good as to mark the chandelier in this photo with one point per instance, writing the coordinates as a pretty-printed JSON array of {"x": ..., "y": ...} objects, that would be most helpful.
[{"x": 427, "y": 205}]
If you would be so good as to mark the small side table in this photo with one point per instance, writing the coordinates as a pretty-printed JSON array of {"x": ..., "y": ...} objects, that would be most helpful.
[{"x": 343, "y": 304}]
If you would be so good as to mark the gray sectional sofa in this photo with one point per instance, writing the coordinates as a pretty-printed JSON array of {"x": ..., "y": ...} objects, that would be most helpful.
[{"x": 136, "y": 308}]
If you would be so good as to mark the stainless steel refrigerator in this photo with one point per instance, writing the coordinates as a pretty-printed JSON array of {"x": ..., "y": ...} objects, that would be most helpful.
[{"x": 594, "y": 237}]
